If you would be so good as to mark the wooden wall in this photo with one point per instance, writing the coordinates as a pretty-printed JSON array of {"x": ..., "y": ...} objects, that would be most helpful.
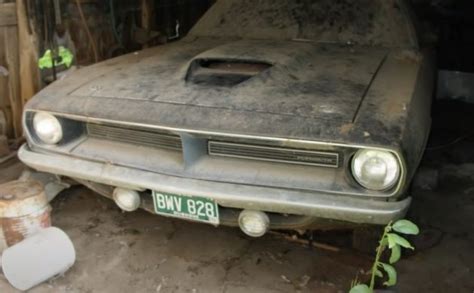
[
  {"x": 9, "y": 62},
  {"x": 19, "y": 79}
]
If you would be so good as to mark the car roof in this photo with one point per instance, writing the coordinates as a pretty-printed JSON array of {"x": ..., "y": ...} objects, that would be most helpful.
[{"x": 366, "y": 22}]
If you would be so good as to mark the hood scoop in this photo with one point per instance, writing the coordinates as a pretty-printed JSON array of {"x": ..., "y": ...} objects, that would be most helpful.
[{"x": 224, "y": 73}]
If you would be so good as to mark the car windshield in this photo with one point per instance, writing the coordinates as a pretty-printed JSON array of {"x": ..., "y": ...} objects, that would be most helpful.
[{"x": 368, "y": 22}]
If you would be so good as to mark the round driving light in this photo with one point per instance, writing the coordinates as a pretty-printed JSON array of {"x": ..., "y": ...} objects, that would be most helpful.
[
  {"x": 375, "y": 169},
  {"x": 127, "y": 200},
  {"x": 254, "y": 223},
  {"x": 47, "y": 128}
]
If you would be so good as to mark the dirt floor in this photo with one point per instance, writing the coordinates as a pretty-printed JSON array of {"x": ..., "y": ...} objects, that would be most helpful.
[{"x": 139, "y": 252}]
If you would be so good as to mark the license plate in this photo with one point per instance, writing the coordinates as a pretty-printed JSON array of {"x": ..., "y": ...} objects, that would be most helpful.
[{"x": 193, "y": 208}]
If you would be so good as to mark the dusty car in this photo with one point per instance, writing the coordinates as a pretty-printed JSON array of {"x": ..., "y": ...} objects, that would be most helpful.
[{"x": 271, "y": 114}]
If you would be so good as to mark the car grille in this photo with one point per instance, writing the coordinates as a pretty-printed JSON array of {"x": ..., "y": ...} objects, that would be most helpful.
[
  {"x": 274, "y": 154},
  {"x": 165, "y": 140},
  {"x": 136, "y": 136}
]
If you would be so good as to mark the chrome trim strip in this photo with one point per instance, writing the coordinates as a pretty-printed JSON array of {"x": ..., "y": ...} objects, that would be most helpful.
[
  {"x": 402, "y": 163},
  {"x": 269, "y": 148},
  {"x": 147, "y": 137}
]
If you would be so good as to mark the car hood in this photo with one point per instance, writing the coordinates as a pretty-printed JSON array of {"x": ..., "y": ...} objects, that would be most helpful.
[
  {"x": 291, "y": 89},
  {"x": 287, "y": 78}
]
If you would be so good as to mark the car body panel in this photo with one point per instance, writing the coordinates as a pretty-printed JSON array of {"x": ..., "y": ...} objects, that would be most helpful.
[
  {"x": 304, "y": 79},
  {"x": 228, "y": 195},
  {"x": 364, "y": 87},
  {"x": 385, "y": 23},
  {"x": 340, "y": 87},
  {"x": 375, "y": 115}
]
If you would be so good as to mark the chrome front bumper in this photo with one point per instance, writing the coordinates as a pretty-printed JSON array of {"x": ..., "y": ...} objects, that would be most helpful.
[{"x": 336, "y": 207}]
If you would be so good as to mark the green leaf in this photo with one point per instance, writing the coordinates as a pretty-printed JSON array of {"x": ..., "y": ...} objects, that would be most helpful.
[
  {"x": 396, "y": 254},
  {"x": 391, "y": 240},
  {"x": 361, "y": 289},
  {"x": 394, "y": 239},
  {"x": 406, "y": 227},
  {"x": 392, "y": 274}
]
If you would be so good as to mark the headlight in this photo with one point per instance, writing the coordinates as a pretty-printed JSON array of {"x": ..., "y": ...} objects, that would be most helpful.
[
  {"x": 47, "y": 128},
  {"x": 375, "y": 170}
]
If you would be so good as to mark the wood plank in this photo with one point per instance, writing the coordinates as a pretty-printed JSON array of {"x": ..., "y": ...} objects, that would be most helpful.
[
  {"x": 3, "y": 123},
  {"x": 27, "y": 43},
  {"x": 13, "y": 64},
  {"x": 4, "y": 89},
  {"x": 147, "y": 14},
  {"x": 8, "y": 14},
  {"x": 148, "y": 9},
  {"x": 3, "y": 76},
  {"x": 4, "y": 149}
]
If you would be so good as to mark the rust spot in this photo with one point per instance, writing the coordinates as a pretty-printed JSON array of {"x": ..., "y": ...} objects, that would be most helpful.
[
  {"x": 346, "y": 128},
  {"x": 17, "y": 229},
  {"x": 24, "y": 210}
]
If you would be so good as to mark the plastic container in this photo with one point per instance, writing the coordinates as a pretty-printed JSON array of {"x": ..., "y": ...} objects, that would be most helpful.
[{"x": 38, "y": 258}]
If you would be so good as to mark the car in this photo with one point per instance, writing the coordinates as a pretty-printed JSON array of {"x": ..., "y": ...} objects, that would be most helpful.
[{"x": 271, "y": 114}]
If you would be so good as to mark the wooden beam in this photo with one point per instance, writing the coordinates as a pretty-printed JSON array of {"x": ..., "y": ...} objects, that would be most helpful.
[
  {"x": 147, "y": 14},
  {"x": 28, "y": 56},
  {"x": 4, "y": 149},
  {"x": 148, "y": 9},
  {"x": 4, "y": 87},
  {"x": 8, "y": 14},
  {"x": 13, "y": 63},
  {"x": 3, "y": 123},
  {"x": 4, "y": 92}
]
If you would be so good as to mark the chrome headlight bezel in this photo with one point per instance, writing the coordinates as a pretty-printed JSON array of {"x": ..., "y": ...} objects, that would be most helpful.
[
  {"x": 47, "y": 128},
  {"x": 366, "y": 163}
]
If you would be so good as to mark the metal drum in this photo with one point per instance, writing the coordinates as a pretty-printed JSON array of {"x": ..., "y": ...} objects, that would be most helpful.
[{"x": 24, "y": 210}]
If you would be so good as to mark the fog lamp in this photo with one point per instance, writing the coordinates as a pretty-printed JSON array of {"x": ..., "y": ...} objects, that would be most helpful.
[
  {"x": 127, "y": 200},
  {"x": 254, "y": 223}
]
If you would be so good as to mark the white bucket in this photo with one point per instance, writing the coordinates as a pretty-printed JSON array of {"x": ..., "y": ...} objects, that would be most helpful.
[{"x": 38, "y": 258}]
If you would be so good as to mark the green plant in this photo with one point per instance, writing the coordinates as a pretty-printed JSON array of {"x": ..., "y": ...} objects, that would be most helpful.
[{"x": 392, "y": 240}]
